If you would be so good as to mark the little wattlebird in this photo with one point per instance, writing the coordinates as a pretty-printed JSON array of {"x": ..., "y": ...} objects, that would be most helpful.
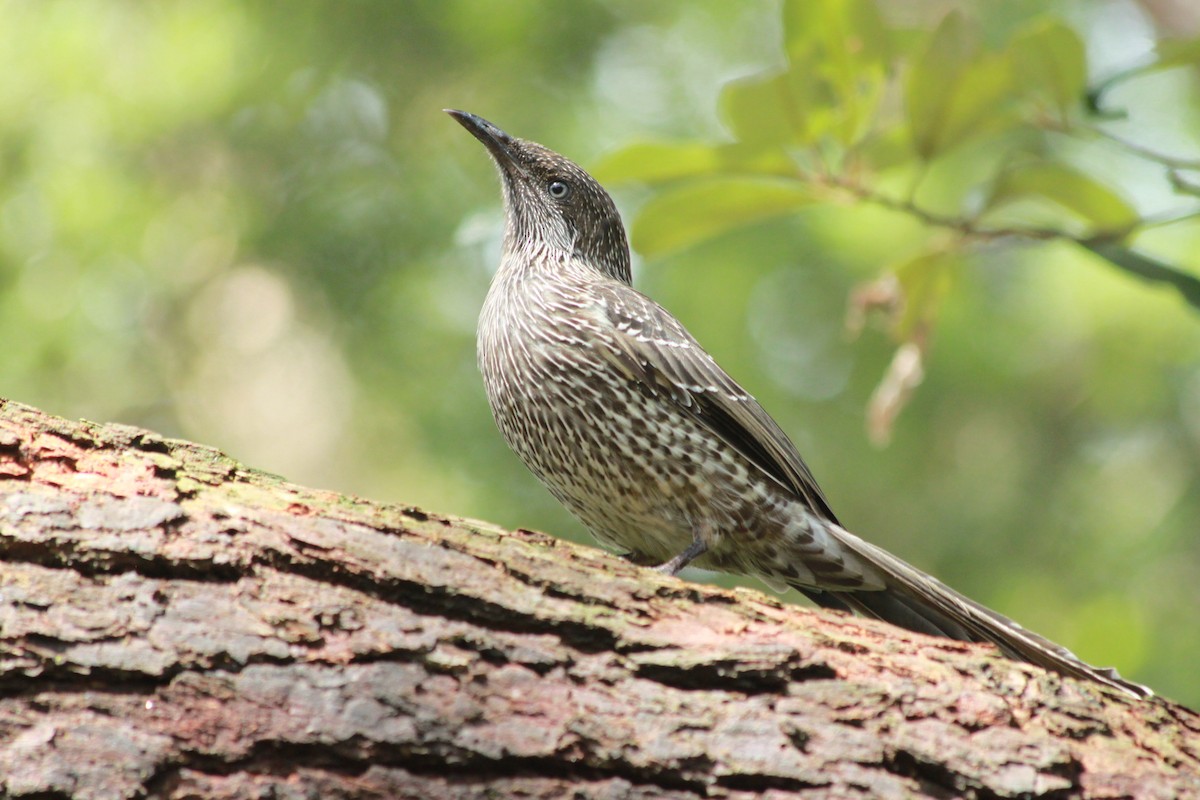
[{"x": 626, "y": 419}]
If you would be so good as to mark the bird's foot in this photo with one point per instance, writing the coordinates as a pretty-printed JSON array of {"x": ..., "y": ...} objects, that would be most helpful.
[{"x": 697, "y": 548}]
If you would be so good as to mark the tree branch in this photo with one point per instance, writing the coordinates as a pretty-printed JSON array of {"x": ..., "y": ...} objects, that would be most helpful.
[
  {"x": 174, "y": 624},
  {"x": 969, "y": 229}
]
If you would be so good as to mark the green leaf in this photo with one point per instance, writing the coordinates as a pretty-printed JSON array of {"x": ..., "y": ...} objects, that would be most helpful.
[
  {"x": 851, "y": 32},
  {"x": 954, "y": 90},
  {"x": 682, "y": 217},
  {"x": 1049, "y": 58},
  {"x": 1068, "y": 188},
  {"x": 773, "y": 108},
  {"x": 657, "y": 162},
  {"x": 932, "y": 79},
  {"x": 979, "y": 102},
  {"x": 886, "y": 148},
  {"x": 925, "y": 280},
  {"x": 1148, "y": 268},
  {"x": 837, "y": 56},
  {"x": 1171, "y": 53},
  {"x": 1177, "y": 53},
  {"x": 841, "y": 48}
]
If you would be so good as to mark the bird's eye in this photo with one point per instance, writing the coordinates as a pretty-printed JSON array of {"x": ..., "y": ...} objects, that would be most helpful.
[{"x": 558, "y": 190}]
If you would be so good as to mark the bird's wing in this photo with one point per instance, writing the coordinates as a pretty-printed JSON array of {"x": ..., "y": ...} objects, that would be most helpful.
[{"x": 653, "y": 348}]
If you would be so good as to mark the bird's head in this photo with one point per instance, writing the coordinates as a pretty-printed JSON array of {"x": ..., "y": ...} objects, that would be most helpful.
[{"x": 551, "y": 203}]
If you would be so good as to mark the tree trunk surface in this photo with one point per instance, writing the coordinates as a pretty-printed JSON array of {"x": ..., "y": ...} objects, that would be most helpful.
[{"x": 174, "y": 624}]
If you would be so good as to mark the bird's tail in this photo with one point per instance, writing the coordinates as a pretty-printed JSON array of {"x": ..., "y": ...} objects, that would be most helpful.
[{"x": 920, "y": 602}]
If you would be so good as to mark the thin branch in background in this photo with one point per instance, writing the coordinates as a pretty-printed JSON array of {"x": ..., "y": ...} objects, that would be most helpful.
[
  {"x": 915, "y": 186},
  {"x": 1171, "y": 162},
  {"x": 1183, "y": 185},
  {"x": 964, "y": 226},
  {"x": 1105, "y": 244},
  {"x": 1151, "y": 269}
]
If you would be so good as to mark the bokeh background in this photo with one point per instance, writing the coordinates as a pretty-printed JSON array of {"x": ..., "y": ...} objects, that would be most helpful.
[{"x": 250, "y": 225}]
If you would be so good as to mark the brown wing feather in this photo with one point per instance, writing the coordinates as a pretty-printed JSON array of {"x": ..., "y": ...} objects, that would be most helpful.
[{"x": 655, "y": 349}]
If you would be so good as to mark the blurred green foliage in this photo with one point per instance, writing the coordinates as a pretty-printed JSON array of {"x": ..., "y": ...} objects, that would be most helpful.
[{"x": 249, "y": 224}]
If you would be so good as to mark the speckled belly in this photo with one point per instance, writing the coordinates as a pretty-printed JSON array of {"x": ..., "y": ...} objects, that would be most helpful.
[{"x": 643, "y": 477}]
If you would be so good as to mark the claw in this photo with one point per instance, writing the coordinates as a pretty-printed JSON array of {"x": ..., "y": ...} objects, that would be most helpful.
[{"x": 697, "y": 548}]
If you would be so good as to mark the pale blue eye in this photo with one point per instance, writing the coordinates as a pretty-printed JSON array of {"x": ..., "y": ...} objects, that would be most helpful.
[{"x": 558, "y": 190}]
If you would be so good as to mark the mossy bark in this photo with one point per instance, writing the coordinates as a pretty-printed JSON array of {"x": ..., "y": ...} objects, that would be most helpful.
[{"x": 174, "y": 624}]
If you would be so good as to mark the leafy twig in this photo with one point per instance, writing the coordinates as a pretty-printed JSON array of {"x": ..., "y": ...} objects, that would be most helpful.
[
  {"x": 1105, "y": 244},
  {"x": 965, "y": 226},
  {"x": 1171, "y": 162}
]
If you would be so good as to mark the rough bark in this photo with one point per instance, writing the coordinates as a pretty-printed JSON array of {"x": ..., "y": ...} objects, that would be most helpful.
[{"x": 174, "y": 624}]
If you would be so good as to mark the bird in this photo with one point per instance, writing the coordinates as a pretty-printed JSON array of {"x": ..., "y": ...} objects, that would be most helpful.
[{"x": 630, "y": 423}]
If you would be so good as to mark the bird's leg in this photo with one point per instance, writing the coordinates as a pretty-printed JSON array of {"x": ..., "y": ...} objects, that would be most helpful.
[{"x": 697, "y": 548}]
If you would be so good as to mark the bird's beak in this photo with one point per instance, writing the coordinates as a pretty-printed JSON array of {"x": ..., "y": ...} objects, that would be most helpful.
[{"x": 498, "y": 143}]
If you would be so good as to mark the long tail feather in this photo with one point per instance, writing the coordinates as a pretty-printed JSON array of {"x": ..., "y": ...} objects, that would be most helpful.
[{"x": 920, "y": 602}]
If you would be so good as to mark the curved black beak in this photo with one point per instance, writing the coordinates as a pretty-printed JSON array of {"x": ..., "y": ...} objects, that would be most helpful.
[{"x": 498, "y": 143}]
